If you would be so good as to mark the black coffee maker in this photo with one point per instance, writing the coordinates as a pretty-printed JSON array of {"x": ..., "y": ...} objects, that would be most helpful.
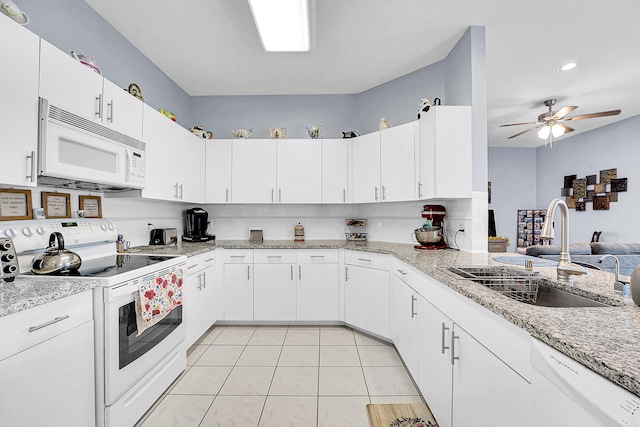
[{"x": 195, "y": 226}]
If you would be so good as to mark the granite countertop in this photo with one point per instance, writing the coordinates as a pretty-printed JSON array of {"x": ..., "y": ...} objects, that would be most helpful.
[{"x": 28, "y": 292}]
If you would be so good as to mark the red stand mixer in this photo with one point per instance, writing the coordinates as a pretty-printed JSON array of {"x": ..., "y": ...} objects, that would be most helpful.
[{"x": 431, "y": 235}]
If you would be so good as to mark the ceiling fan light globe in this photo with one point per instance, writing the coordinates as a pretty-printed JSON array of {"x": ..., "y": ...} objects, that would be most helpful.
[
  {"x": 557, "y": 130},
  {"x": 544, "y": 132}
]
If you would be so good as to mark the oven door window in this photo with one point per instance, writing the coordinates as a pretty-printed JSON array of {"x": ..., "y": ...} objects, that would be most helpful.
[{"x": 131, "y": 346}]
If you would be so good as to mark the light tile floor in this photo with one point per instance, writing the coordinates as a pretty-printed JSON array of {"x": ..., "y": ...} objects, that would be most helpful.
[{"x": 317, "y": 376}]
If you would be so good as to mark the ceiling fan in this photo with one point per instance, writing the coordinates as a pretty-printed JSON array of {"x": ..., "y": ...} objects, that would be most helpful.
[{"x": 552, "y": 122}]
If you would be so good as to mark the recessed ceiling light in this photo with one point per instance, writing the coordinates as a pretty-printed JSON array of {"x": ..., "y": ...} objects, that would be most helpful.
[
  {"x": 283, "y": 25},
  {"x": 567, "y": 67}
]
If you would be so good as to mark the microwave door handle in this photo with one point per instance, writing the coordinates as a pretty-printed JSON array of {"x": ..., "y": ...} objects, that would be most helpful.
[{"x": 128, "y": 164}]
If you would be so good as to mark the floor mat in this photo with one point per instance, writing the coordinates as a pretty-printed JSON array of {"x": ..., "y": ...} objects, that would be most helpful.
[{"x": 401, "y": 415}]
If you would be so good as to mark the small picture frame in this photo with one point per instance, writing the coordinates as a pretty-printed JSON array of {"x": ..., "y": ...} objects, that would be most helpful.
[
  {"x": 15, "y": 204},
  {"x": 91, "y": 205},
  {"x": 56, "y": 205}
]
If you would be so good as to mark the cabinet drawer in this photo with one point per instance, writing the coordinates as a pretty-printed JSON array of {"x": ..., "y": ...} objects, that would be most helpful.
[
  {"x": 407, "y": 274},
  {"x": 238, "y": 256},
  {"x": 200, "y": 262},
  {"x": 274, "y": 256},
  {"x": 30, "y": 327},
  {"x": 317, "y": 256},
  {"x": 367, "y": 259}
]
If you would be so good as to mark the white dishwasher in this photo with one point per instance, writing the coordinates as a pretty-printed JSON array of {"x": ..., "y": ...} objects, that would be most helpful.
[{"x": 566, "y": 393}]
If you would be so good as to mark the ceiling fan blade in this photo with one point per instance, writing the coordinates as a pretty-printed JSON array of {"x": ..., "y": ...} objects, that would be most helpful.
[
  {"x": 563, "y": 112},
  {"x": 525, "y": 131},
  {"x": 592, "y": 115},
  {"x": 566, "y": 128},
  {"x": 518, "y": 124}
]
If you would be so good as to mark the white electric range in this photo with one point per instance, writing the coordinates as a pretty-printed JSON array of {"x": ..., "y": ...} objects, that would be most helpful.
[{"x": 131, "y": 371}]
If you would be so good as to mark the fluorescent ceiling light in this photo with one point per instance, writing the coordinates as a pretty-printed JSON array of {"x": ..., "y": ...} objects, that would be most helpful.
[
  {"x": 567, "y": 67},
  {"x": 283, "y": 25}
]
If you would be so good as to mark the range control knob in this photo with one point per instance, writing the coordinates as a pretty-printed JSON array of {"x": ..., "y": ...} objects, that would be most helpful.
[
  {"x": 40, "y": 230},
  {"x": 8, "y": 257},
  {"x": 103, "y": 226},
  {"x": 111, "y": 227},
  {"x": 10, "y": 233},
  {"x": 27, "y": 231},
  {"x": 5, "y": 246},
  {"x": 10, "y": 269}
]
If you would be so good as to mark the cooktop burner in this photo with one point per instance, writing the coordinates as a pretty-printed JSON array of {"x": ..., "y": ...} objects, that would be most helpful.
[{"x": 113, "y": 265}]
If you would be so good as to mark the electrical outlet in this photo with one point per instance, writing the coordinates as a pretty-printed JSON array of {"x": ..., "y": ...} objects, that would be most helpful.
[{"x": 461, "y": 227}]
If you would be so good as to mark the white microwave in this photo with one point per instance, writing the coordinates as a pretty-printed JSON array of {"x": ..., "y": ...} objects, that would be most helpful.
[{"x": 78, "y": 153}]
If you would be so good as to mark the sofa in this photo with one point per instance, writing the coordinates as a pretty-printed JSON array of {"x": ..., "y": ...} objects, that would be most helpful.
[{"x": 588, "y": 254}]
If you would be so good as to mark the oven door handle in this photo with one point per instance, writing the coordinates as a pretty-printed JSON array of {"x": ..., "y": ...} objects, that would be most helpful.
[{"x": 122, "y": 290}]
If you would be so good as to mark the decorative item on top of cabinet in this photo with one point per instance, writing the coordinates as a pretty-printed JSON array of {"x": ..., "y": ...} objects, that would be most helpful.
[
  {"x": 168, "y": 114},
  {"x": 200, "y": 132},
  {"x": 278, "y": 132},
  {"x": 135, "y": 90},
  {"x": 350, "y": 134},
  {"x": 383, "y": 124},
  {"x": 10, "y": 9},
  {"x": 242, "y": 133},
  {"x": 315, "y": 131},
  {"x": 87, "y": 61},
  {"x": 425, "y": 104}
]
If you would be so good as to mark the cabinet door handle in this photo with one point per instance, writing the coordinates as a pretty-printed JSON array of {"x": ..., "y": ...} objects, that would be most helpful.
[
  {"x": 274, "y": 256},
  {"x": 99, "y": 106},
  {"x": 192, "y": 266},
  {"x": 209, "y": 260},
  {"x": 248, "y": 272},
  {"x": 364, "y": 260},
  {"x": 299, "y": 272},
  {"x": 317, "y": 256},
  {"x": 32, "y": 157},
  {"x": 344, "y": 195},
  {"x": 413, "y": 306},
  {"x": 384, "y": 197},
  {"x": 346, "y": 274},
  {"x": 402, "y": 272},
  {"x": 279, "y": 195},
  {"x": 110, "y": 112},
  {"x": 199, "y": 286},
  {"x": 175, "y": 190},
  {"x": 376, "y": 193},
  {"x": 292, "y": 273},
  {"x": 419, "y": 189},
  {"x": 236, "y": 256},
  {"x": 204, "y": 279},
  {"x": 453, "y": 347},
  {"x": 227, "y": 196},
  {"x": 180, "y": 191},
  {"x": 272, "y": 195},
  {"x": 49, "y": 323},
  {"x": 444, "y": 347}
]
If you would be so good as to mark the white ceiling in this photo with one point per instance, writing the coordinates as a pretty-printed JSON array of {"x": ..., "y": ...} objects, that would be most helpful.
[{"x": 211, "y": 47}]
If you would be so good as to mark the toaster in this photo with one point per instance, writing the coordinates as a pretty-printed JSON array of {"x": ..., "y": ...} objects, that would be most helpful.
[{"x": 163, "y": 236}]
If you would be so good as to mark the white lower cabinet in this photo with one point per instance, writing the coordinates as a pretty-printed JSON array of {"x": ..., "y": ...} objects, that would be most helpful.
[
  {"x": 238, "y": 284},
  {"x": 47, "y": 368},
  {"x": 404, "y": 322},
  {"x": 366, "y": 292},
  {"x": 274, "y": 286},
  {"x": 462, "y": 381},
  {"x": 317, "y": 285},
  {"x": 199, "y": 312}
]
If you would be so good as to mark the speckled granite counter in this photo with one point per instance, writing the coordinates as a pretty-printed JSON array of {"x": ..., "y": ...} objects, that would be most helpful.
[
  {"x": 605, "y": 339},
  {"x": 24, "y": 293}
]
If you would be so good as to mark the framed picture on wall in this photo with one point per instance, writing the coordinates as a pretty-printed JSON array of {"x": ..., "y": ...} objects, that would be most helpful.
[
  {"x": 56, "y": 205},
  {"x": 91, "y": 205},
  {"x": 15, "y": 204}
]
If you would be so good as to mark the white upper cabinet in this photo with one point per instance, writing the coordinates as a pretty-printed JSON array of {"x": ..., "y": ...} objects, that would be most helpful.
[
  {"x": 445, "y": 146},
  {"x": 299, "y": 171},
  {"x": 19, "y": 105},
  {"x": 121, "y": 110},
  {"x": 175, "y": 160},
  {"x": 365, "y": 168},
  {"x": 253, "y": 171},
  {"x": 74, "y": 87},
  {"x": 397, "y": 168},
  {"x": 335, "y": 161},
  {"x": 218, "y": 171}
]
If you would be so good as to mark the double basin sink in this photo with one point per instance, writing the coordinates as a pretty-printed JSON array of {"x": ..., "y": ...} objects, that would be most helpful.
[{"x": 529, "y": 288}]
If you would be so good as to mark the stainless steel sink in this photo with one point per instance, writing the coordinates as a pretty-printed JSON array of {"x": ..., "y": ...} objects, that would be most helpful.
[{"x": 529, "y": 288}]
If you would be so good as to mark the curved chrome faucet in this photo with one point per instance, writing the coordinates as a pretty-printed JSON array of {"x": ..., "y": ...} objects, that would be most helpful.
[
  {"x": 618, "y": 285},
  {"x": 566, "y": 269}
]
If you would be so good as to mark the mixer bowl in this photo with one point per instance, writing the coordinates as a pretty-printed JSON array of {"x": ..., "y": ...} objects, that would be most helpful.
[{"x": 428, "y": 236}]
